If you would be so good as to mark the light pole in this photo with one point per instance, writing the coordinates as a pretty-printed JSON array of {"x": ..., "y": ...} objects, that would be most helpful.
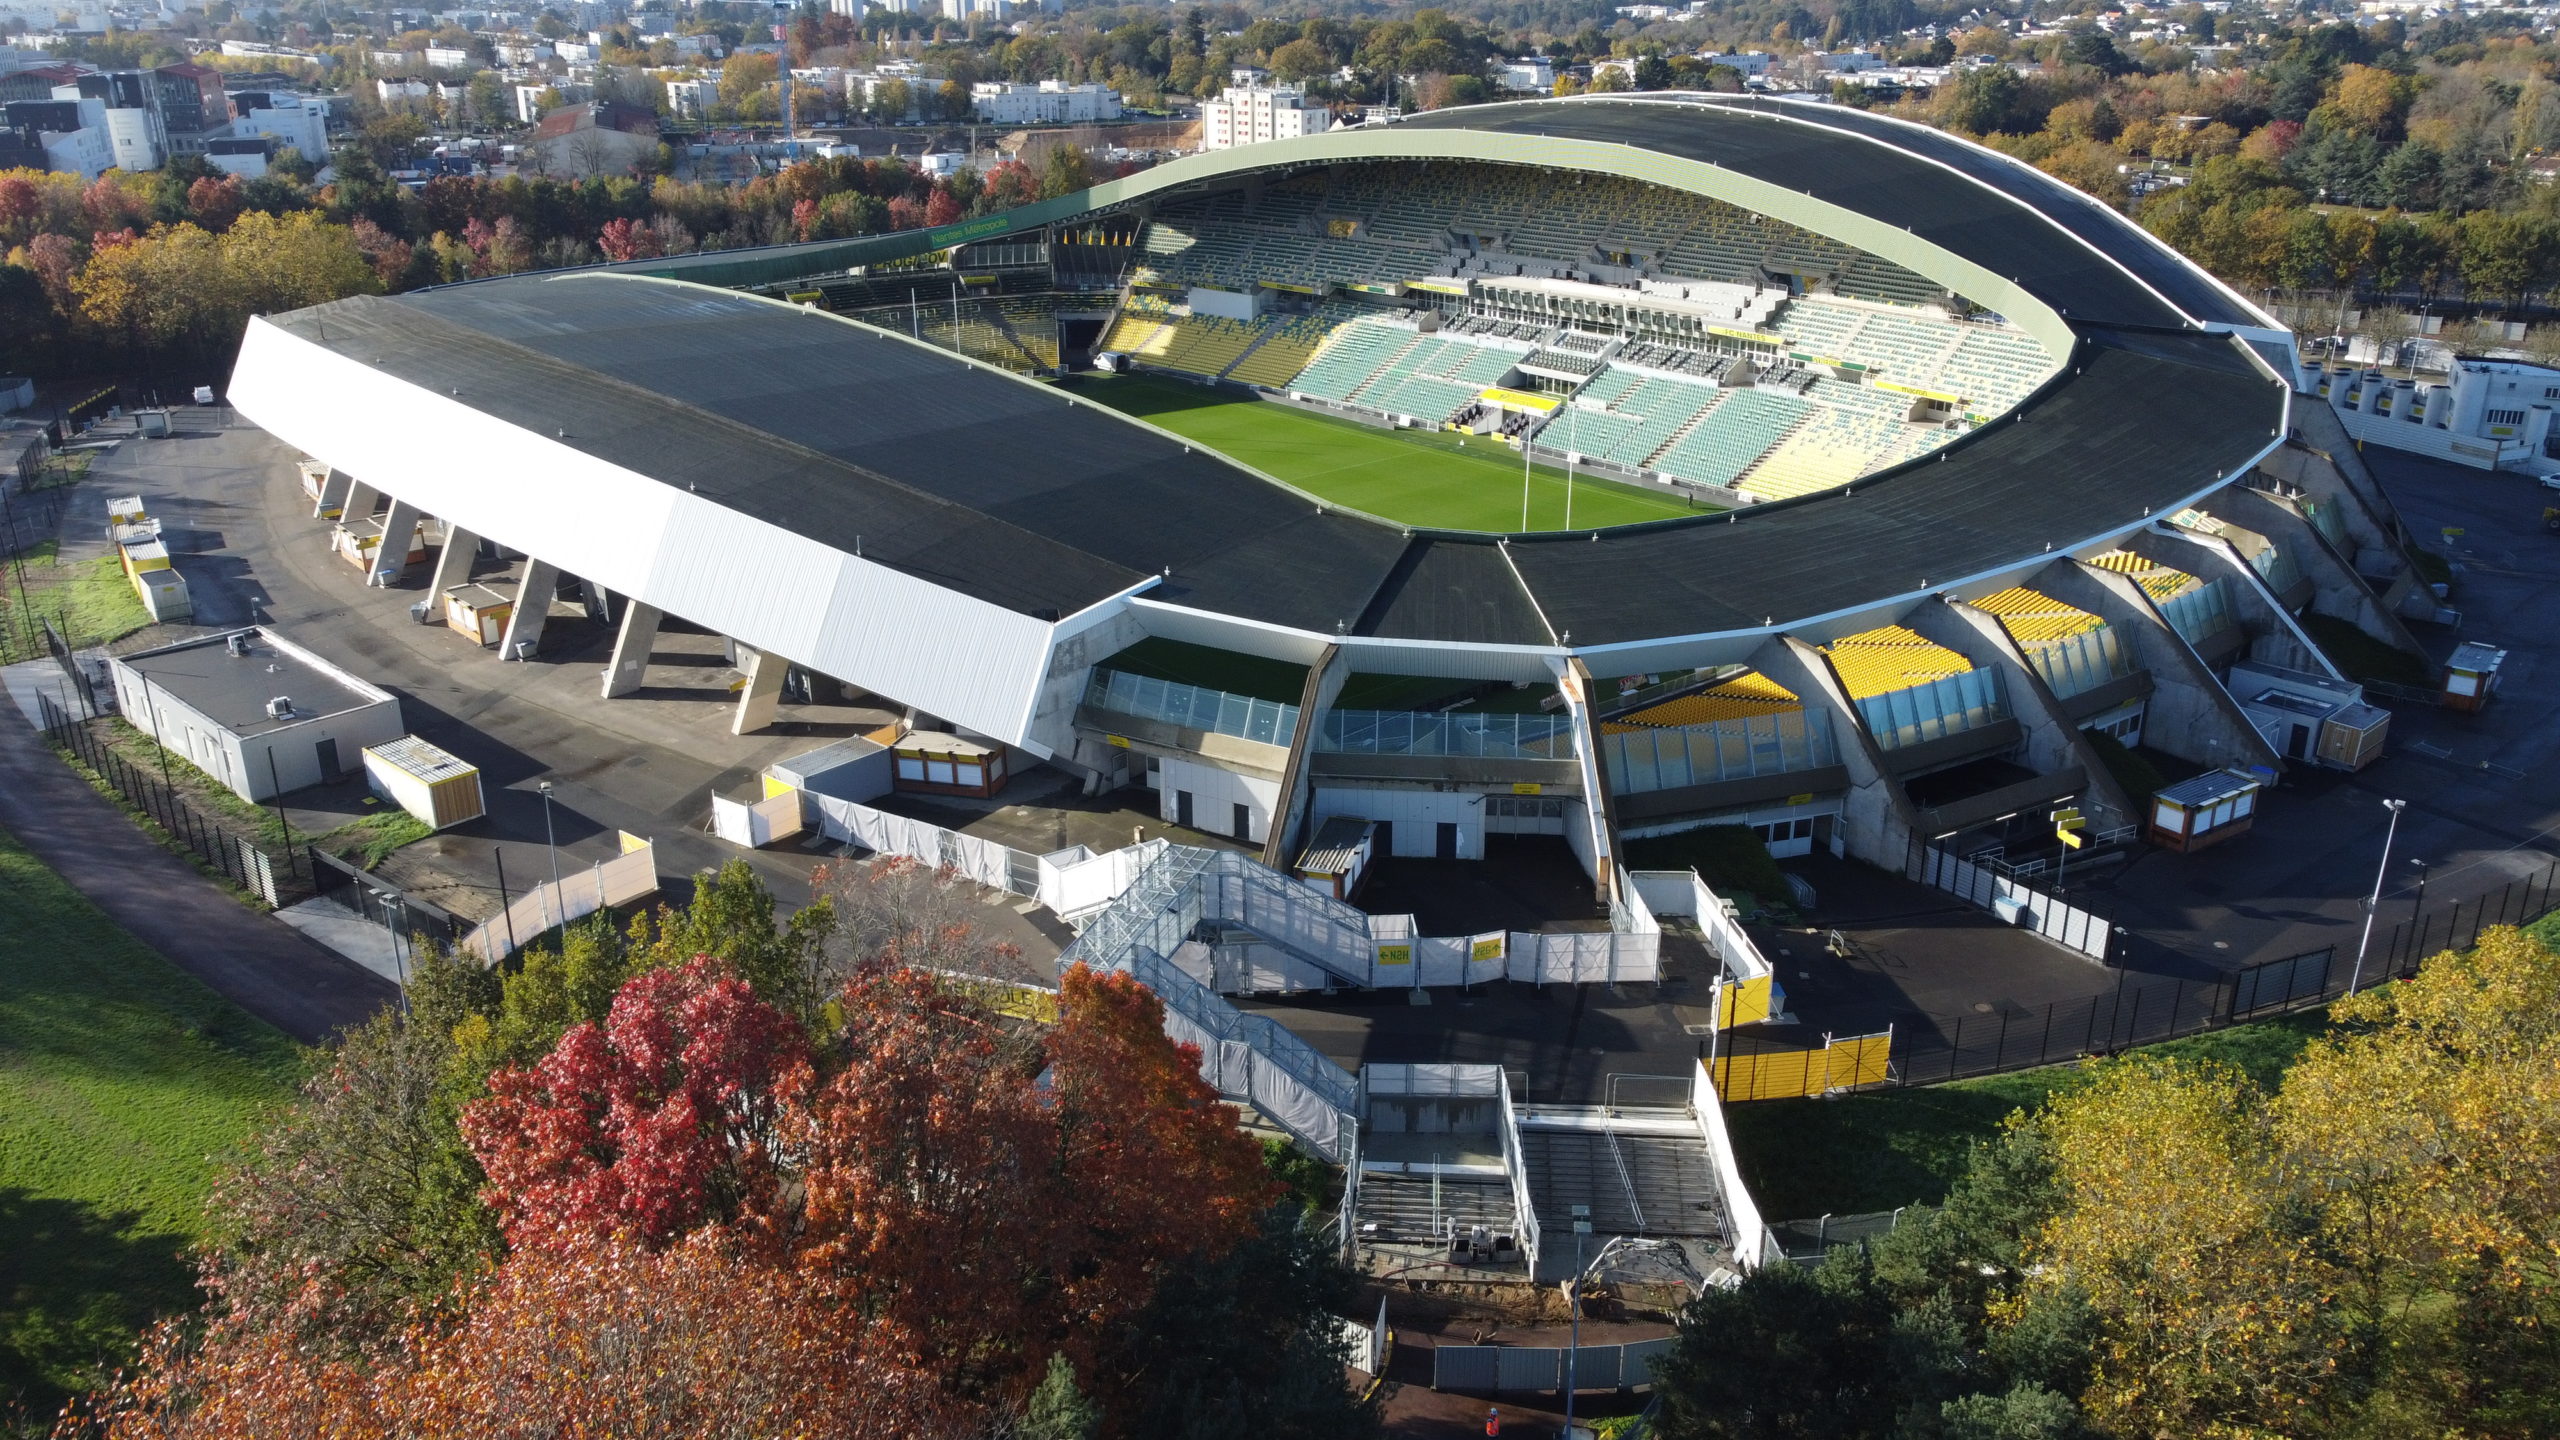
[
  {"x": 551, "y": 839},
  {"x": 2373, "y": 906},
  {"x": 2418, "y": 908},
  {"x": 1573, "y": 1298},
  {"x": 1581, "y": 1272}
]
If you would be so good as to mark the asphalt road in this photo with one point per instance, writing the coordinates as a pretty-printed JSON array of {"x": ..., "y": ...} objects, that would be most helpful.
[{"x": 255, "y": 962}]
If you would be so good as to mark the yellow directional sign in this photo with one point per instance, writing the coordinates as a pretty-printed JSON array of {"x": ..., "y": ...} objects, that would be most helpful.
[{"x": 2070, "y": 838}]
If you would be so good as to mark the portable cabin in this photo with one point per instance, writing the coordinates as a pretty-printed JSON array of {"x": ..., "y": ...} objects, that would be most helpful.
[
  {"x": 164, "y": 593},
  {"x": 2471, "y": 675},
  {"x": 126, "y": 510},
  {"x": 428, "y": 781},
  {"x": 140, "y": 548},
  {"x": 480, "y": 610},
  {"x": 933, "y": 762},
  {"x": 359, "y": 540},
  {"x": 2353, "y": 738},
  {"x": 315, "y": 485},
  {"x": 1333, "y": 862},
  {"x": 2312, "y": 718},
  {"x": 2207, "y": 810}
]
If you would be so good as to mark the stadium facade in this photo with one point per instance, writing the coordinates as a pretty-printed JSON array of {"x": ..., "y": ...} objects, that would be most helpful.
[{"x": 1995, "y": 472}]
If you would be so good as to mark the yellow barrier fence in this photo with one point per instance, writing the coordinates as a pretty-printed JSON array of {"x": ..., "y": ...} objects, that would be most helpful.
[{"x": 1787, "y": 1074}]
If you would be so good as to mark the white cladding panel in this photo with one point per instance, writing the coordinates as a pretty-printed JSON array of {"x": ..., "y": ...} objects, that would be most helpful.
[
  {"x": 1414, "y": 816},
  {"x": 1214, "y": 795},
  {"x": 506, "y": 484},
  {"x": 970, "y": 662}
]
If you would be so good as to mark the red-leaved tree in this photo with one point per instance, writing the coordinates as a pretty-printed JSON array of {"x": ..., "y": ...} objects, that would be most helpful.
[
  {"x": 650, "y": 1124},
  {"x": 622, "y": 239}
]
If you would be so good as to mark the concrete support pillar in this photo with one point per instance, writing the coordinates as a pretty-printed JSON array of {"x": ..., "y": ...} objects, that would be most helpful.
[
  {"x": 391, "y": 559},
  {"x": 2054, "y": 743},
  {"x": 2188, "y": 714},
  {"x": 359, "y": 502},
  {"x": 533, "y": 609},
  {"x": 1877, "y": 819},
  {"x": 333, "y": 493},
  {"x": 762, "y": 692},
  {"x": 453, "y": 562},
  {"x": 1324, "y": 682},
  {"x": 629, "y": 668},
  {"x": 2337, "y": 590},
  {"x": 599, "y": 602}
]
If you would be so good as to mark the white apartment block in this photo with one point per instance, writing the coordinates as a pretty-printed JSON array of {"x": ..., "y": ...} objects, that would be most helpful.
[
  {"x": 1248, "y": 115},
  {"x": 1051, "y": 102},
  {"x": 693, "y": 97}
]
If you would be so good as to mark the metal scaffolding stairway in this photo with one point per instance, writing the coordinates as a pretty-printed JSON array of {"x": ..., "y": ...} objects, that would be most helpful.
[{"x": 1641, "y": 1175}]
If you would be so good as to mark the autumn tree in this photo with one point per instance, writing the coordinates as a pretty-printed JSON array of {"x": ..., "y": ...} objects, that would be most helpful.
[
  {"x": 599, "y": 1337},
  {"x": 360, "y": 1203},
  {"x": 647, "y": 1125}
]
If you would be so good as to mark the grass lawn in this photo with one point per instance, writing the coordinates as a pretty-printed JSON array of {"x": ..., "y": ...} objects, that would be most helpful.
[
  {"x": 366, "y": 839},
  {"x": 91, "y": 600},
  {"x": 120, "y": 1078},
  {"x": 1884, "y": 1149},
  {"x": 1424, "y": 478}
]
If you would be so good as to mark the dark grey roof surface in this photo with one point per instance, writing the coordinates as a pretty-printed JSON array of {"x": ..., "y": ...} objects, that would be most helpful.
[
  {"x": 232, "y": 691},
  {"x": 1004, "y": 490},
  {"x": 1987, "y": 210}
]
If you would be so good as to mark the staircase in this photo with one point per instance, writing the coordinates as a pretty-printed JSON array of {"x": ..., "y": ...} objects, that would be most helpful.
[
  {"x": 1682, "y": 433},
  {"x": 1641, "y": 1172},
  {"x": 1402, "y": 1207},
  {"x": 1269, "y": 330}
]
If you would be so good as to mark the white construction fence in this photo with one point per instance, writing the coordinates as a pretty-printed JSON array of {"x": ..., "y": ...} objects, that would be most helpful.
[
  {"x": 628, "y": 877},
  {"x": 756, "y": 823},
  {"x": 1748, "y": 1234},
  {"x": 1073, "y": 883},
  {"x": 2019, "y": 904},
  {"x": 1297, "y": 938},
  {"x": 1750, "y": 990}
]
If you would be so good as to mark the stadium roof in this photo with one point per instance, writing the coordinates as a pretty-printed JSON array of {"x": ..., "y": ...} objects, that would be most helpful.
[
  {"x": 1006, "y": 490},
  {"x": 2084, "y": 259},
  {"x": 2003, "y": 221}
]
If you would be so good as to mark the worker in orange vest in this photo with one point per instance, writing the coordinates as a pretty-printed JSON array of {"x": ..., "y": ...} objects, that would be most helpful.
[{"x": 1493, "y": 1423}]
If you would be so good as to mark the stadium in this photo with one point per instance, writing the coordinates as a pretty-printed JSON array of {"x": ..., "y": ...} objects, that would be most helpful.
[{"x": 1591, "y": 468}]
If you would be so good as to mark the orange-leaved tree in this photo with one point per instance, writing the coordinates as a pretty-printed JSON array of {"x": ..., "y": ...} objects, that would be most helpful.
[{"x": 594, "y": 1336}]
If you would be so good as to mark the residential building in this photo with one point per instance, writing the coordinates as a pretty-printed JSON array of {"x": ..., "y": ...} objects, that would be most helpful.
[
  {"x": 1247, "y": 115},
  {"x": 692, "y": 97},
  {"x": 529, "y": 97},
  {"x": 603, "y": 137},
  {"x": 450, "y": 57},
  {"x": 1051, "y": 102},
  {"x": 1533, "y": 74},
  {"x": 301, "y": 121}
]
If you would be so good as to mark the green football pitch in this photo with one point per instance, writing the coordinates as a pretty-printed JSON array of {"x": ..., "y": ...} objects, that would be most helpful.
[{"x": 1421, "y": 478}]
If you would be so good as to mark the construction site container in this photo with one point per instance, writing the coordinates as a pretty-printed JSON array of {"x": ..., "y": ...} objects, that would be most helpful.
[
  {"x": 2471, "y": 675},
  {"x": 479, "y": 610},
  {"x": 2207, "y": 810},
  {"x": 931, "y": 762},
  {"x": 431, "y": 783}
]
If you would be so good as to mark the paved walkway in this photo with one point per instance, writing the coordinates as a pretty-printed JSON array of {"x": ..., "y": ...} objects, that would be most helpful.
[{"x": 255, "y": 962}]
